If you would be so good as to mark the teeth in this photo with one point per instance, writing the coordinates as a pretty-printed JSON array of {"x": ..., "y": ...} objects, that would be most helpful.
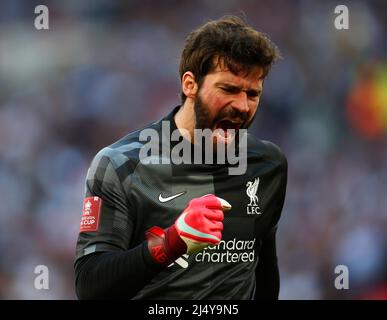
[{"x": 233, "y": 121}]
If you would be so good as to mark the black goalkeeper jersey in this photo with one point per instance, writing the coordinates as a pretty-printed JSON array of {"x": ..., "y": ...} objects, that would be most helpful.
[{"x": 134, "y": 196}]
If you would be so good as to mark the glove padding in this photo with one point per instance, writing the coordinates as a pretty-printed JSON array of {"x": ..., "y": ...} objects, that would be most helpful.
[{"x": 200, "y": 225}]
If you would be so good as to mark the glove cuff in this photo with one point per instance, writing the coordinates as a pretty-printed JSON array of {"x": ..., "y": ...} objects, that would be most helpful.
[{"x": 165, "y": 246}]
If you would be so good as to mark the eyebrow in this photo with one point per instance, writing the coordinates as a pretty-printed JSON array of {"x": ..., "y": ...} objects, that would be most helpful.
[{"x": 232, "y": 86}]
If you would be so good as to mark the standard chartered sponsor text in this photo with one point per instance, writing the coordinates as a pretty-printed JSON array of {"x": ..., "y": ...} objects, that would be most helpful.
[{"x": 231, "y": 251}]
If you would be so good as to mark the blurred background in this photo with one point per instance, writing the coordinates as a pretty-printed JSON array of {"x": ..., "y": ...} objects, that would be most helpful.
[{"x": 105, "y": 68}]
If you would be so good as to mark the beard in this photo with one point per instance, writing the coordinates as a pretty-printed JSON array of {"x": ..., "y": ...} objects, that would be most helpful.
[
  {"x": 219, "y": 125},
  {"x": 202, "y": 115},
  {"x": 203, "y": 119}
]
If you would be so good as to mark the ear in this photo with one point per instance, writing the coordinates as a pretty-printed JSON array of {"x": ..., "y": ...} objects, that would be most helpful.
[{"x": 189, "y": 85}]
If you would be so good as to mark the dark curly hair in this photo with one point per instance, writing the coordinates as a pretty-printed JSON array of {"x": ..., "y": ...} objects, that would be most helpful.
[{"x": 229, "y": 41}]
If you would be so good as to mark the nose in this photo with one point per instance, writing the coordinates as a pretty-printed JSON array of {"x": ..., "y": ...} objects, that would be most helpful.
[{"x": 240, "y": 102}]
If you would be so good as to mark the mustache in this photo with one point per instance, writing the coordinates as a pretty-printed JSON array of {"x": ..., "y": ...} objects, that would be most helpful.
[{"x": 232, "y": 114}]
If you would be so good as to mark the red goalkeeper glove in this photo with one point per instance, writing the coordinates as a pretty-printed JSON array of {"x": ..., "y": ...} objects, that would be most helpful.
[{"x": 199, "y": 226}]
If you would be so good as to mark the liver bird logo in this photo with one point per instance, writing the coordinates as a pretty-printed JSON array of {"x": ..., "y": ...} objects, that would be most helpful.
[{"x": 251, "y": 191}]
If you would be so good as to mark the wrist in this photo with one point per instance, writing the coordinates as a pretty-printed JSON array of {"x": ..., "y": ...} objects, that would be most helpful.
[{"x": 165, "y": 246}]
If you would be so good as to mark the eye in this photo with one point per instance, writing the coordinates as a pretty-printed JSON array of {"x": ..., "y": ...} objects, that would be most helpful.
[
  {"x": 254, "y": 94},
  {"x": 229, "y": 90}
]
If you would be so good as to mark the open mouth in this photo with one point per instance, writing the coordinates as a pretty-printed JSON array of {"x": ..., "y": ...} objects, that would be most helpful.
[
  {"x": 228, "y": 124},
  {"x": 226, "y": 129}
]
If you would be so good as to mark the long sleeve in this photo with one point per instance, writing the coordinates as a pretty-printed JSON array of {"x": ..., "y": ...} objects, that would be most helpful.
[
  {"x": 267, "y": 272},
  {"x": 110, "y": 275},
  {"x": 107, "y": 264}
]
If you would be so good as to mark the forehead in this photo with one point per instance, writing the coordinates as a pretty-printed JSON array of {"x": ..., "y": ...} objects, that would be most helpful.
[{"x": 251, "y": 79}]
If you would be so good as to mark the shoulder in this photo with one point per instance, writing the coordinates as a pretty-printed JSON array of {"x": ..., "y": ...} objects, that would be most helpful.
[
  {"x": 118, "y": 153},
  {"x": 266, "y": 150},
  {"x": 122, "y": 156}
]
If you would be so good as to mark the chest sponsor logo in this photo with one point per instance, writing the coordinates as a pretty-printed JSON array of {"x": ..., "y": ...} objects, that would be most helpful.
[
  {"x": 251, "y": 191},
  {"x": 166, "y": 199},
  {"x": 230, "y": 251}
]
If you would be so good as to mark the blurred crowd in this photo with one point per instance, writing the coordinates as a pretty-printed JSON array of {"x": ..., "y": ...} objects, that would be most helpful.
[{"x": 105, "y": 68}]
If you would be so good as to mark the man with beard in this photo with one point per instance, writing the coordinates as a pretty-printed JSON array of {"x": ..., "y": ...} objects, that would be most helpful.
[{"x": 190, "y": 231}]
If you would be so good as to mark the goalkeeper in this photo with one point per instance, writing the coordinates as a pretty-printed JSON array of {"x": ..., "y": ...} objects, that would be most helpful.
[{"x": 190, "y": 231}]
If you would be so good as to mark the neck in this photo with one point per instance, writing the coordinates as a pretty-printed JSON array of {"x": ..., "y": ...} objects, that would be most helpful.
[{"x": 185, "y": 119}]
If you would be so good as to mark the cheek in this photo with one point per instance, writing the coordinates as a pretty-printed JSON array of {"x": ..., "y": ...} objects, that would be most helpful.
[
  {"x": 216, "y": 102},
  {"x": 220, "y": 102},
  {"x": 253, "y": 107}
]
